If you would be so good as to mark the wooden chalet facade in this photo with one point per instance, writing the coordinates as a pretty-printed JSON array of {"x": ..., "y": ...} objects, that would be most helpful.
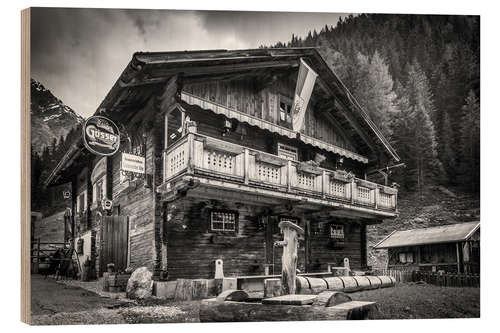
[
  {"x": 223, "y": 166},
  {"x": 450, "y": 248}
]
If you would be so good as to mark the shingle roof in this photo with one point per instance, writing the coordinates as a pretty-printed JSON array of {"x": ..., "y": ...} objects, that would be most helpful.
[{"x": 442, "y": 234}]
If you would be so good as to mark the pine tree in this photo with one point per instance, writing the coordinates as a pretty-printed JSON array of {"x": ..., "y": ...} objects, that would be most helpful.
[
  {"x": 447, "y": 151},
  {"x": 414, "y": 131},
  {"x": 470, "y": 143}
]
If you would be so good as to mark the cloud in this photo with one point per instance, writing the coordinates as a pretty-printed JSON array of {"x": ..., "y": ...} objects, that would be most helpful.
[{"x": 80, "y": 53}]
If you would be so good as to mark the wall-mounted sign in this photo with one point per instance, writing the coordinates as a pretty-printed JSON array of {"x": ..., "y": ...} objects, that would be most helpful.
[
  {"x": 101, "y": 136},
  {"x": 107, "y": 204},
  {"x": 133, "y": 163}
]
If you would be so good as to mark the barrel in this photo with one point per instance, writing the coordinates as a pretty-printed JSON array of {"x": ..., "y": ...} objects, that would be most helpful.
[
  {"x": 350, "y": 283},
  {"x": 310, "y": 285},
  {"x": 375, "y": 281},
  {"x": 302, "y": 285},
  {"x": 387, "y": 281},
  {"x": 363, "y": 282},
  {"x": 334, "y": 283}
]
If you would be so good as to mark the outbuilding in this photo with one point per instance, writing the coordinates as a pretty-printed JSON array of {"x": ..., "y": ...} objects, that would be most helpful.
[{"x": 449, "y": 248}]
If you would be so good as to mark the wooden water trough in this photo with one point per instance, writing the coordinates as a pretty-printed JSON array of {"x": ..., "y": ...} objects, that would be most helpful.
[{"x": 238, "y": 306}]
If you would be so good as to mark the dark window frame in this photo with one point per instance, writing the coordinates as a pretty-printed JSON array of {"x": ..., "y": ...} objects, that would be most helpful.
[{"x": 223, "y": 230}]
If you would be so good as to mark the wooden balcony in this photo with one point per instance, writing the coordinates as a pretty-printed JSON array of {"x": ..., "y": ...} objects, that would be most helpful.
[{"x": 231, "y": 166}]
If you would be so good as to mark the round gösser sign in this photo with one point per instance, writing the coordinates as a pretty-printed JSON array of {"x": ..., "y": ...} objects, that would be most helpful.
[{"x": 101, "y": 136}]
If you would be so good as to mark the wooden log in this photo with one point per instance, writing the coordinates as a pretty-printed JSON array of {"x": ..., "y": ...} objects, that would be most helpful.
[
  {"x": 363, "y": 282},
  {"x": 272, "y": 288},
  {"x": 317, "y": 285},
  {"x": 214, "y": 311},
  {"x": 334, "y": 283},
  {"x": 387, "y": 281},
  {"x": 350, "y": 284},
  {"x": 374, "y": 281},
  {"x": 183, "y": 290},
  {"x": 302, "y": 285},
  {"x": 289, "y": 257},
  {"x": 229, "y": 284},
  {"x": 232, "y": 295},
  {"x": 331, "y": 298},
  {"x": 200, "y": 288}
]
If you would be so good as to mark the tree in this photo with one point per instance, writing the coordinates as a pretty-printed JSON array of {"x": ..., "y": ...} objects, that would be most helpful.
[
  {"x": 470, "y": 143},
  {"x": 414, "y": 131},
  {"x": 447, "y": 151}
]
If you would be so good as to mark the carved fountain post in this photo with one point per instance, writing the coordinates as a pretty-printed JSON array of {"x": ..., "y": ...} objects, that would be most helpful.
[{"x": 290, "y": 243}]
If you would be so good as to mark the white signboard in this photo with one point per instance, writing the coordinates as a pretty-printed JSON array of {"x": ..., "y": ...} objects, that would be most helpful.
[{"x": 133, "y": 163}]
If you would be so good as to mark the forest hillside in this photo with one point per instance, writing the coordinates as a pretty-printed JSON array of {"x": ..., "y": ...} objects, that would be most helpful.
[{"x": 417, "y": 76}]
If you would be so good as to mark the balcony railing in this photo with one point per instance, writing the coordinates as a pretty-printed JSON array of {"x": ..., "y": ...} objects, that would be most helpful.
[{"x": 203, "y": 155}]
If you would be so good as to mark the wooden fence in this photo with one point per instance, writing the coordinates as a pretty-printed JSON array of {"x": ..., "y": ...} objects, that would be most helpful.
[
  {"x": 435, "y": 278},
  {"x": 448, "y": 279},
  {"x": 399, "y": 275}
]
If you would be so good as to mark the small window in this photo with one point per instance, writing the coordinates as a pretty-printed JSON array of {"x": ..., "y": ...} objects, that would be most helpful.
[
  {"x": 337, "y": 231},
  {"x": 406, "y": 257},
  {"x": 81, "y": 202},
  {"x": 402, "y": 257},
  {"x": 222, "y": 221},
  {"x": 99, "y": 191},
  {"x": 285, "y": 110},
  {"x": 288, "y": 152}
]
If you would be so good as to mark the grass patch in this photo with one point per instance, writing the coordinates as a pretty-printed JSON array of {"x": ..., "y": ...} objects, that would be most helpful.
[{"x": 423, "y": 301}]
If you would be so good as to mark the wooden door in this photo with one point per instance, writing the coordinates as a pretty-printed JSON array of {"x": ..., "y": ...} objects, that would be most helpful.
[{"x": 114, "y": 242}]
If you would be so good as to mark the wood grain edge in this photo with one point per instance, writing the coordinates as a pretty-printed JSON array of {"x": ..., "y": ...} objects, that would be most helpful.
[{"x": 25, "y": 167}]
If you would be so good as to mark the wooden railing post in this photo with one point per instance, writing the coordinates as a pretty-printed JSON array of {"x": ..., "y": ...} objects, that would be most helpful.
[
  {"x": 190, "y": 147},
  {"x": 324, "y": 182},
  {"x": 353, "y": 191},
  {"x": 289, "y": 175},
  {"x": 246, "y": 160},
  {"x": 376, "y": 197}
]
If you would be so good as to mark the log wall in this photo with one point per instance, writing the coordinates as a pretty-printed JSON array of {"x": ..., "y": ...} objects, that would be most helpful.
[
  {"x": 193, "y": 248},
  {"x": 248, "y": 97},
  {"x": 326, "y": 250},
  {"x": 133, "y": 199}
]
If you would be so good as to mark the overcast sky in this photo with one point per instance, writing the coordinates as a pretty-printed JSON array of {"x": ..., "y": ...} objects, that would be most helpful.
[{"x": 79, "y": 53}]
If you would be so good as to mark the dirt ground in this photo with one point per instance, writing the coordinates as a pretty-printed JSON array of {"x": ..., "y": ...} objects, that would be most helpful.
[{"x": 55, "y": 303}]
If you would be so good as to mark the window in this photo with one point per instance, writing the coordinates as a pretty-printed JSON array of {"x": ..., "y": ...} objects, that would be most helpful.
[
  {"x": 222, "y": 221},
  {"x": 81, "y": 202},
  {"x": 285, "y": 110},
  {"x": 337, "y": 231},
  {"x": 406, "y": 257},
  {"x": 99, "y": 191},
  {"x": 288, "y": 152}
]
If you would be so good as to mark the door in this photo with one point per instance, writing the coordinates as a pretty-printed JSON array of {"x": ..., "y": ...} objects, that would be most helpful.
[{"x": 114, "y": 247}]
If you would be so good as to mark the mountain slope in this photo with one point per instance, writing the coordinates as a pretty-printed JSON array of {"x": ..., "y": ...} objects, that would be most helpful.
[
  {"x": 436, "y": 206},
  {"x": 50, "y": 117}
]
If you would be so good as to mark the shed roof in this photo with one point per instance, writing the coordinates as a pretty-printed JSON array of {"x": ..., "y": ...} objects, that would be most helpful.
[{"x": 441, "y": 234}]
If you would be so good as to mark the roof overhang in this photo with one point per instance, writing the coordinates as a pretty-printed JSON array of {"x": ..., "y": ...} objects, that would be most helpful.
[
  {"x": 380, "y": 245},
  {"x": 151, "y": 70}
]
